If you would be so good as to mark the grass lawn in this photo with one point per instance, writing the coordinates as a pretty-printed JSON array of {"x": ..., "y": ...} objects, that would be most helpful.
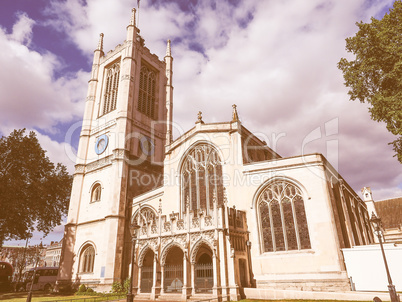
[
  {"x": 41, "y": 296},
  {"x": 246, "y": 300}
]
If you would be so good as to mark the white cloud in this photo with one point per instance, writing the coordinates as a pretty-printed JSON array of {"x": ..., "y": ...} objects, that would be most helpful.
[
  {"x": 56, "y": 151},
  {"x": 387, "y": 193},
  {"x": 83, "y": 22},
  {"x": 22, "y": 29},
  {"x": 31, "y": 96}
]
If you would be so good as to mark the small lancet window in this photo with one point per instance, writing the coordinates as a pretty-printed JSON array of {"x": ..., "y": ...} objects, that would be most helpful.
[
  {"x": 111, "y": 89},
  {"x": 96, "y": 193},
  {"x": 87, "y": 259},
  {"x": 282, "y": 217}
]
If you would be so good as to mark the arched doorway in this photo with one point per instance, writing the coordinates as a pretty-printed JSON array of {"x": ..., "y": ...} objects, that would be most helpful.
[
  {"x": 173, "y": 271},
  {"x": 147, "y": 272},
  {"x": 204, "y": 272}
]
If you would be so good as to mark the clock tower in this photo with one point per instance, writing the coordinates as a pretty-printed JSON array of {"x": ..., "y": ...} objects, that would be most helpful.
[{"x": 126, "y": 125}]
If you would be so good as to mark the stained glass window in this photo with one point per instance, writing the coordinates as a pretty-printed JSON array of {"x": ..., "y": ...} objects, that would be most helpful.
[
  {"x": 87, "y": 259},
  {"x": 201, "y": 178},
  {"x": 283, "y": 221}
]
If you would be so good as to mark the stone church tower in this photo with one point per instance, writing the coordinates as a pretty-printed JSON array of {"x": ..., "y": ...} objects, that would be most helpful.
[{"x": 126, "y": 124}]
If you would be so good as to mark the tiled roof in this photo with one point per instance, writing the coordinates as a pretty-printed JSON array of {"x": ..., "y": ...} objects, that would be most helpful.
[{"x": 390, "y": 212}]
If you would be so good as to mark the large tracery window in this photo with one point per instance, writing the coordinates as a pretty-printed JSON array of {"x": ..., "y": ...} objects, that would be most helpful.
[
  {"x": 283, "y": 222},
  {"x": 87, "y": 259},
  {"x": 112, "y": 86},
  {"x": 201, "y": 178},
  {"x": 147, "y": 92}
]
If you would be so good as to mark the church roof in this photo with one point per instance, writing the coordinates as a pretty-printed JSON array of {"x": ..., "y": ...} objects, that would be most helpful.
[
  {"x": 248, "y": 139},
  {"x": 390, "y": 212}
]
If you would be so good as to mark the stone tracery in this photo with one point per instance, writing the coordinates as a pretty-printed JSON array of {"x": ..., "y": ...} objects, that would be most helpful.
[
  {"x": 201, "y": 177},
  {"x": 143, "y": 252},
  {"x": 282, "y": 217},
  {"x": 196, "y": 246},
  {"x": 166, "y": 250},
  {"x": 146, "y": 217}
]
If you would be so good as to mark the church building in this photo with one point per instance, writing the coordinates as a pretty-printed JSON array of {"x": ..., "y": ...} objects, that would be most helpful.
[{"x": 218, "y": 210}]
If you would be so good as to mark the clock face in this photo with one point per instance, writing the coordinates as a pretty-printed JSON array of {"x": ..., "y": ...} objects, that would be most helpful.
[
  {"x": 147, "y": 146},
  {"x": 101, "y": 144}
]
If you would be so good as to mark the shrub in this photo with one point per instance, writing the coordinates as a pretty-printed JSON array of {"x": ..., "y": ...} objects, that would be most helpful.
[
  {"x": 126, "y": 285},
  {"x": 67, "y": 288},
  {"x": 117, "y": 287},
  {"x": 86, "y": 291}
]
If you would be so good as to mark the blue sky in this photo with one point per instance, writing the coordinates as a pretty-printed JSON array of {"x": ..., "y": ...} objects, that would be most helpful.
[{"x": 275, "y": 59}]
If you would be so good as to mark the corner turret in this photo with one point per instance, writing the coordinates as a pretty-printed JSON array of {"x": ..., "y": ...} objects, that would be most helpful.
[
  {"x": 169, "y": 93},
  {"x": 98, "y": 53},
  {"x": 235, "y": 116},
  {"x": 368, "y": 199},
  {"x": 100, "y": 43},
  {"x": 132, "y": 29}
]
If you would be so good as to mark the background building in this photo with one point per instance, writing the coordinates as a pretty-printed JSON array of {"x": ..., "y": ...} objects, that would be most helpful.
[
  {"x": 365, "y": 266},
  {"x": 53, "y": 253},
  {"x": 390, "y": 212},
  {"x": 23, "y": 258}
]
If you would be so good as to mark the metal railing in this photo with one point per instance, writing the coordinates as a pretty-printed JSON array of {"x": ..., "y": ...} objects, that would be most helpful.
[
  {"x": 93, "y": 299},
  {"x": 173, "y": 278},
  {"x": 219, "y": 299}
]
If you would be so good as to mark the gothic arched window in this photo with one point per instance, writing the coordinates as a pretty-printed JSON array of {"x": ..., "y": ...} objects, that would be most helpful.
[
  {"x": 282, "y": 216},
  {"x": 146, "y": 219},
  {"x": 147, "y": 216},
  {"x": 87, "y": 259},
  {"x": 112, "y": 86},
  {"x": 96, "y": 192},
  {"x": 201, "y": 178},
  {"x": 147, "y": 92}
]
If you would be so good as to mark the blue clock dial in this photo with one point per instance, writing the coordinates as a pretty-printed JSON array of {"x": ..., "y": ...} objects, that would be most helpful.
[
  {"x": 147, "y": 146},
  {"x": 101, "y": 144}
]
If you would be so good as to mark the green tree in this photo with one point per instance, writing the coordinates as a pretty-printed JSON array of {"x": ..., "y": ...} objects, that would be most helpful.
[
  {"x": 19, "y": 258},
  {"x": 375, "y": 75},
  {"x": 34, "y": 192}
]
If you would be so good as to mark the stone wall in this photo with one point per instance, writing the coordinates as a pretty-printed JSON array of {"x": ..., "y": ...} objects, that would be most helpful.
[
  {"x": 365, "y": 265},
  {"x": 330, "y": 285}
]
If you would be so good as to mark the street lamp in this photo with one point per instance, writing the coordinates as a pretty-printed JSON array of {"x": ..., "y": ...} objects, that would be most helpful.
[
  {"x": 377, "y": 225},
  {"x": 133, "y": 231}
]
